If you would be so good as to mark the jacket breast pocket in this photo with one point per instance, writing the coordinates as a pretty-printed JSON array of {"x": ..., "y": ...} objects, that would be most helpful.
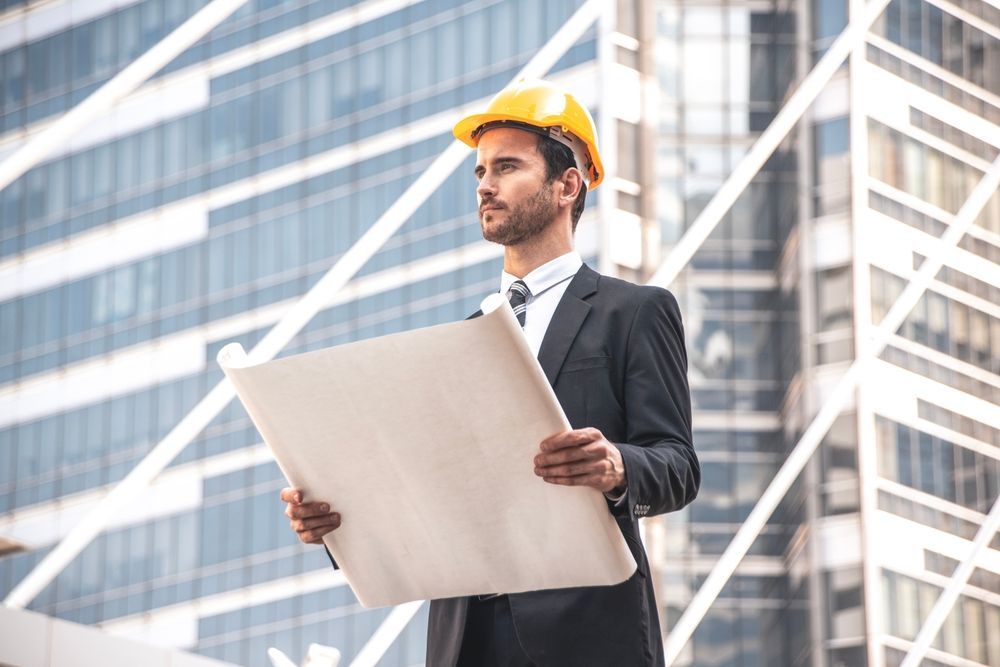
[
  {"x": 585, "y": 363},
  {"x": 586, "y": 391}
]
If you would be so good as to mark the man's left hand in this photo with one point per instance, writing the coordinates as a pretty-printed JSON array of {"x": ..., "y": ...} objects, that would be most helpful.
[{"x": 581, "y": 457}]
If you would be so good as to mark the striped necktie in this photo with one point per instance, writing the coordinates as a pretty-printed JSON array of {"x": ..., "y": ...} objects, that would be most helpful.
[{"x": 519, "y": 294}]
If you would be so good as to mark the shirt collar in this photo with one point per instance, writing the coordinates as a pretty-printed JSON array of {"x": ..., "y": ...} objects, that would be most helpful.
[{"x": 545, "y": 276}]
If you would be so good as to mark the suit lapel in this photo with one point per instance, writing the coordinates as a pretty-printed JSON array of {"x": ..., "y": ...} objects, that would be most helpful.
[{"x": 566, "y": 322}]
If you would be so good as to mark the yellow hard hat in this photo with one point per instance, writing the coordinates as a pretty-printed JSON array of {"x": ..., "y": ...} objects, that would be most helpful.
[{"x": 543, "y": 107}]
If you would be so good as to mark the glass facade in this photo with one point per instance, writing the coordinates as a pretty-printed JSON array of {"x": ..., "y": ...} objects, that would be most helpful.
[
  {"x": 805, "y": 264},
  {"x": 373, "y": 98},
  {"x": 248, "y": 166},
  {"x": 723, "y": 71}
]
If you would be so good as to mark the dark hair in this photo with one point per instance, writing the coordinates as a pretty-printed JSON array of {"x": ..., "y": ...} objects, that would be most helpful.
[{"x": 558, "y": 158}]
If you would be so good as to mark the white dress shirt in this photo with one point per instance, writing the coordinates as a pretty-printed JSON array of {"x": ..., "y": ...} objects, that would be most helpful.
[{"x": 547, "y": 285}]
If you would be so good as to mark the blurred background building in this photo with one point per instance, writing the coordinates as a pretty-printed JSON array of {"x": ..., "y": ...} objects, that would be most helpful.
[{"x": 194, "y": 213}]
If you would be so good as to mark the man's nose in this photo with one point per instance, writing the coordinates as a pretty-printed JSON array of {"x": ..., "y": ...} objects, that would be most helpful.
[{"x": 486, "y": 188}]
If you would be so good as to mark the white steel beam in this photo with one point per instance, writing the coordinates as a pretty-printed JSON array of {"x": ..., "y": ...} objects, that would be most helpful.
[
  {"x": 867, "y": 452},
  {"x": 943, "y": 605},
  {"x": 838, "y": 398},
  {"x": 40, "y": 146},
  {"x": 386, "y": 634},
  {"x": 852, "y": 36},
  {"x": 286, "y": 328}
]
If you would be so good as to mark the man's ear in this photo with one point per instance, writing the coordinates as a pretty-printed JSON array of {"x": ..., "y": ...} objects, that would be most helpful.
[{"x": 572, "y": 181}]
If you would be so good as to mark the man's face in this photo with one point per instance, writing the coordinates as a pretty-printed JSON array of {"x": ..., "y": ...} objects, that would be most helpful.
[{"x": 515, "y": 201}]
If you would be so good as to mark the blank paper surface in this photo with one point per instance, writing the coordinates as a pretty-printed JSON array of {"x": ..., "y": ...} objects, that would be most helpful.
[{"x": 424, "y": 442}]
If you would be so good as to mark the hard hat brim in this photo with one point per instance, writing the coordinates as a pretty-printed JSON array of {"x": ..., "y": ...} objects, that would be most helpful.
[{"x": 465, "y": 131}]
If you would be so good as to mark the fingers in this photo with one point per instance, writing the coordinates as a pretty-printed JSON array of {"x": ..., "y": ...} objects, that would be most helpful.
[
  {"x": 311, "y": 531},
  {"x": 585, "y": 444},
  {"x": 581, "y": 457},
  {"x": 591, "y": 467},
  {"x": 310, "y": 521},
  {"x": 301, "y": 525},
  {"x": 314, "y": 536},
  {"x": 296, "y": 509},
  {"x": 306, "y": 510},
  {"x": 576, "y": 437},
  {"x": 573, "y": 453},
  {"x": 597, "y": 481},
  {"x": 588, "y": 452}
]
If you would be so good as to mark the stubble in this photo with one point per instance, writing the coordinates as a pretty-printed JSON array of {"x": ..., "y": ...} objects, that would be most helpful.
[{"x": 524, "y": 221}]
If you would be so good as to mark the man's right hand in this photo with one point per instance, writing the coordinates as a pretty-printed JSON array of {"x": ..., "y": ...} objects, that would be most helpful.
[{"x": 310, "y": 521}]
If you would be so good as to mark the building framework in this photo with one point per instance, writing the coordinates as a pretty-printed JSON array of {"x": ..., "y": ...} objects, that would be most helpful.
[{"x": 848, "y": 44}]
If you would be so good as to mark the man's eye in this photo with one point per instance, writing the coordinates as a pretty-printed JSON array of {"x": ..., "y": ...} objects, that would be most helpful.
[{"x": 506, "y": 166}]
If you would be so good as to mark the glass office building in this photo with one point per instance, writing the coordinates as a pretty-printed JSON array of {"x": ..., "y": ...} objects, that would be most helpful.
[
  {"x": 194, "y": 213},
  {"x": 191, "y": 216},
  {"x": 788, "y": 289}
]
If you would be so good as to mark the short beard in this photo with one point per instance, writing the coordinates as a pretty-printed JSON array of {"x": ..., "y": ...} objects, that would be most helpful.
[{"x": 524, "y": 221}]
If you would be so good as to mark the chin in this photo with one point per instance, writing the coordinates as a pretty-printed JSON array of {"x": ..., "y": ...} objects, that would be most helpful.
[
  {"x": 491, "y": 228},
  {"x": 491, "y": 237}
]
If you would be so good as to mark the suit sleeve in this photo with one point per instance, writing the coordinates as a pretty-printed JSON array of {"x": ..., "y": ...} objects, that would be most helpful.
[{"x": 661, "y": 467}]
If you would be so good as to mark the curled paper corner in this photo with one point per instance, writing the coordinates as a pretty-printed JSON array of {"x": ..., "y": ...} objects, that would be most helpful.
[
  {"x": 232, "y": 356},
  {"x": 492, "y": 302}
]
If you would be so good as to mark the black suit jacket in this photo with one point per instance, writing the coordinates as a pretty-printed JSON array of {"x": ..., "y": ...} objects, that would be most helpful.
[{"x": 614, "y": 353}]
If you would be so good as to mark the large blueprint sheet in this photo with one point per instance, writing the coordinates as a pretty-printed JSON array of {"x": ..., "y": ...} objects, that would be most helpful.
[{"x": 424, "y": 442}]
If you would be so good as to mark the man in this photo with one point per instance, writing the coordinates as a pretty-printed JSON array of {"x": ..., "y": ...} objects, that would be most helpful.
[{"x": 614, "y": 353}]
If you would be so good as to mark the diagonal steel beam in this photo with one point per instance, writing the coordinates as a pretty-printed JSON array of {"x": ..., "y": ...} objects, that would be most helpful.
[
  {"x": 41, "y": 145},
  {"x": 385, "y": 634},
  {"x": 852, "y": 36},
  {"x": 842, "y": 392},
  {"x": 942, "y": 607},
  {"x": 287, "y": 327}
]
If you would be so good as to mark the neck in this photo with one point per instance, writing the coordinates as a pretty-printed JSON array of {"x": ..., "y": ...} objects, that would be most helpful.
[{"x": 521, "y": 259}]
